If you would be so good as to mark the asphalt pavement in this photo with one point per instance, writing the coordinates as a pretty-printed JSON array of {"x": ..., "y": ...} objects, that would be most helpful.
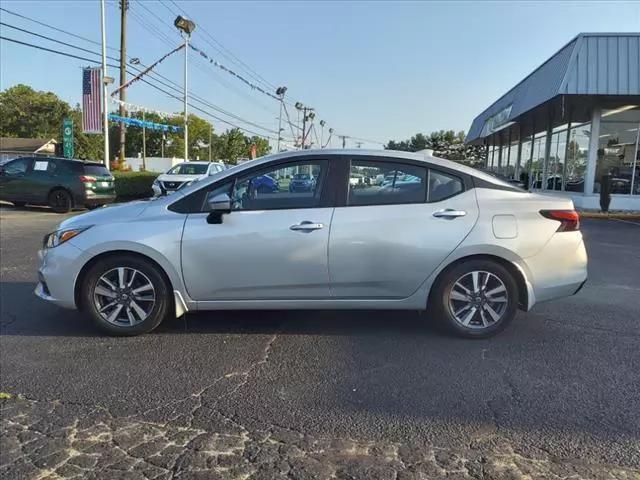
[{"x": 322, "y": 394}]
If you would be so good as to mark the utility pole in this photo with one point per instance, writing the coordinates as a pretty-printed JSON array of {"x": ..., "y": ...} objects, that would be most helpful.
[
  {"x": 210, "y": 135},
  {"x": 124, "y": 6},
  {"x": 144, "y": 143},
  {"x": 105, "y": 113},
  {"x": 307, "y": 114},
  {"x": 162, "y": 144},
  {"x": 344, "y": 140},
  {"x": 359, "y": 144}
]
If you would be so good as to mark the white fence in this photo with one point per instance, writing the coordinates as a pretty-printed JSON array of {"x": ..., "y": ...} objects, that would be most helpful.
[{"x": 152, "y": 164}]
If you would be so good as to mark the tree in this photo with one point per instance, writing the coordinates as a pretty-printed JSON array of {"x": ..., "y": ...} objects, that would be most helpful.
[
  {"x": 27, "y": 113},
  {"x": 444, "y": 143},
  {"x": 230, "y": 146}
]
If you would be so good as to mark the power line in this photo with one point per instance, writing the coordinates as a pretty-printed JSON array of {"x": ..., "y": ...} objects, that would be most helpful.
[
  {"x": 66, "y": 54},
  {"x": 56, "y": 29},
  {"x": 56, "y": 41}
]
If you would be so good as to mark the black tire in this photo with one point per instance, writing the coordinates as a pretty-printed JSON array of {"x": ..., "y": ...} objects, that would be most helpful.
[
  {"x": 19, "y": 204},
  {"x": 158, "y": 312},
  {"x": 92, "y": 207},
  {"x": 442, "y": 305},
  {"x": 60, "y": 201}
]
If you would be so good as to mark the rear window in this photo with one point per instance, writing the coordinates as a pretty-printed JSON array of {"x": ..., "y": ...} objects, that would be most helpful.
[{"x": 96, "y": 170}]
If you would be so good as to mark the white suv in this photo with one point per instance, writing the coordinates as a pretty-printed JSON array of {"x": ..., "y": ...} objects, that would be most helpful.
[{"x": 183, "y": 174}]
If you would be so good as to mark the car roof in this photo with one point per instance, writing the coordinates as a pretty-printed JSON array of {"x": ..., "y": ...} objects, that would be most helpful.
[{"x": 393, "y": 154}]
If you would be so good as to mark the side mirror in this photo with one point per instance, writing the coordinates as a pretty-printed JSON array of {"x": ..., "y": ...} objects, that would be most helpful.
[{"x": 218, "y": 205}]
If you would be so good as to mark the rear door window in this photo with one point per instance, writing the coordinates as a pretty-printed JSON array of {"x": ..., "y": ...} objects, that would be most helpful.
[
  {"x": 443, "y": 185},
  {"x": 386, "y": 183}
]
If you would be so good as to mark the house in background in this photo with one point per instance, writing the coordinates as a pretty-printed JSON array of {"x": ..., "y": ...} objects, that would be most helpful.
[{"x": 20, "y": 147}]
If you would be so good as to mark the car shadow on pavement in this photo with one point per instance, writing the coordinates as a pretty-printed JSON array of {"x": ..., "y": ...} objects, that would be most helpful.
[{"x": 23, "y": 314}]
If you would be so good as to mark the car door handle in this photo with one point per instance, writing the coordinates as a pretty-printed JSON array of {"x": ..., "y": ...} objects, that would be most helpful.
[
  {"x": 306, "y": 226},
  {"x": 449, "y": 213}
]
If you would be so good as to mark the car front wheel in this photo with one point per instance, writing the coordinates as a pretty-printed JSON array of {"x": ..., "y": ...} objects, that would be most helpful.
[
  {"x": 476, "y": 299},
  {"x": 125, "y": 295}
]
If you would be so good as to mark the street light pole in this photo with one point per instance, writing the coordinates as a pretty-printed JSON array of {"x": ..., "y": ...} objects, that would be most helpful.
[
  {"x": 186, "y": 126},
  {"x": 280, "y": 92},
  {"x": 105, "y": 114},
  {"x": 186, "y": 28}
]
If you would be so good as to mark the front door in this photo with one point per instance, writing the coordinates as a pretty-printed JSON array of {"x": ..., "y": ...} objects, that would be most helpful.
[
  {"x": 401, "y": 221},
  {"x": 14, "y": 184},
  {"x": 273, "y": 245}
]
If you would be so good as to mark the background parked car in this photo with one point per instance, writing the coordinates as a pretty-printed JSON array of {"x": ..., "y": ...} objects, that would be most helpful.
[
  {"x": 184, "y": 173},
  {"x": 302, "y": 182},
  {"x": 61, "y": 183}
]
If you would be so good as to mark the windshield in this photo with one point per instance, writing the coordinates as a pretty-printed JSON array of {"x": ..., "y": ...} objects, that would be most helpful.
[
  {"x": 189, "y": 169},
  {"x": 302, "y": 176}
]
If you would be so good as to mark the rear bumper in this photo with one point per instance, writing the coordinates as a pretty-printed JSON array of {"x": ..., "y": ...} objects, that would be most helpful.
[
  {"x": 99, "y": 198},
  {"x": 560, "y": 268}
]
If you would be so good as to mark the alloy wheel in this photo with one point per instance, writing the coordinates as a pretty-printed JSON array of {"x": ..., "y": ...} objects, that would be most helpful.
[
  {"x": 124, "y": 296},
  {"x": 478, "y": 300}
]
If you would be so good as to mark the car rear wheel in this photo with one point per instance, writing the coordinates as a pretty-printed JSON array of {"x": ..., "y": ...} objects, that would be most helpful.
[
  {"x": 476, "y": 299},
  {"x": 60, "y": 201},
  {"x": 125, "y": 295}
]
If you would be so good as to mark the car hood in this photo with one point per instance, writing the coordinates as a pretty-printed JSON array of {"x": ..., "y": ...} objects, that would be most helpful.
[
  {"x": 178, "y": 178},
  {"x": 117, "y": 212}
]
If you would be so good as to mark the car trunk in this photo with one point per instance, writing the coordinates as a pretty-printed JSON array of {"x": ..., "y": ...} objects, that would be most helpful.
[{"x": 104, "y": 183}]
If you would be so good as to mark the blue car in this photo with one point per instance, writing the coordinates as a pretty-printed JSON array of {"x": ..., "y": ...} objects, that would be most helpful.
[
  {"x": 302, "y": 182},
  {"x": 265, "y": 184}
]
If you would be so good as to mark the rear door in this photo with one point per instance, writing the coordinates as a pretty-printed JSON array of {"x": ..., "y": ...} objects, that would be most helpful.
[
  {"x": 41, "y": 178},
  {"x": 391, "y": 235}
]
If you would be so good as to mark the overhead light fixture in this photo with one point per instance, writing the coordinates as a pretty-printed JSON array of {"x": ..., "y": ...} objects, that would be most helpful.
[
  {"x": 299, "y": 106},
  {"x": 135, "y": 61},
  {"x": 184, "y": 24},
  {"x": 322, "y": 123},
  {"x": 281, "y": 91},
  {"x": 619, "y": 110}
]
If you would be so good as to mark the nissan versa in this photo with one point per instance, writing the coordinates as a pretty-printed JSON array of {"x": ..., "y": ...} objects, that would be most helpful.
[{"x": 434, "y": 235}]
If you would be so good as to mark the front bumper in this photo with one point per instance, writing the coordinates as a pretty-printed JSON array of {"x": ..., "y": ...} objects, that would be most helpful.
[{"x": 59, "y": 268}]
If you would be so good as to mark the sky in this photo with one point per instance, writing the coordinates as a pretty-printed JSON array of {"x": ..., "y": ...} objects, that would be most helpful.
[{"x": 372, "y": 70}]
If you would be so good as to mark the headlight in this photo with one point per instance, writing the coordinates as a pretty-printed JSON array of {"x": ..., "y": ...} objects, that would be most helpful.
[{"x": 58, "y": 237}]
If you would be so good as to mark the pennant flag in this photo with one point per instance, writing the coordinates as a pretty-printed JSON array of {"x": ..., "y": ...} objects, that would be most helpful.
[{"x": 91, "y": 106}]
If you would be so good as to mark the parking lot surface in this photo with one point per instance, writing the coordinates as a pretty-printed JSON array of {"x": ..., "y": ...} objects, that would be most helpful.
[{"x": 322, "y": 394}]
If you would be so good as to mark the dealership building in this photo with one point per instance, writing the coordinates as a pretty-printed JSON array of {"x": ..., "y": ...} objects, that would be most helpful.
[{"x": 571, "y": 121}]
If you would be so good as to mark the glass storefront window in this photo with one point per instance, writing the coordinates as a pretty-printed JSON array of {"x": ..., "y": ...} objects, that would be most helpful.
[
  {"x": 525, "y": 156},
  {"x": 577, "y": 155},
  {"x": 556, "y": 163},
  {"x": 509, "y": 161},
  {"x": 618, "y": 151},
  {"x": 537, "y": 163}
]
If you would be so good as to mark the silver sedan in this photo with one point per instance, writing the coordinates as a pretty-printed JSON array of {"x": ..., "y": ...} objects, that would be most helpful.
[{"x": 435, "y": 235}]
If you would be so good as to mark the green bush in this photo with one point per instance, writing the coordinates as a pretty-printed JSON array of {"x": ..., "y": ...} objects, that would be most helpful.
[{"x": 132, "y": 185}]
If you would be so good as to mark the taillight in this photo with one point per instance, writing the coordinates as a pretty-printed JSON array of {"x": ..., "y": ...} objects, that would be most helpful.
[
  {"x": 87, "y": 179},
  {"x": 569, "y": 219}
]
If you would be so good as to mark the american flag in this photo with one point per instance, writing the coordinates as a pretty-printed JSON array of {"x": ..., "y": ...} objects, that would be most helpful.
[{"x": 91, "y": 111}]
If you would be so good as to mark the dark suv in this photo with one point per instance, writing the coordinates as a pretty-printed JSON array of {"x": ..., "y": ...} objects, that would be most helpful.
[{"x": 61, "y": 183}]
